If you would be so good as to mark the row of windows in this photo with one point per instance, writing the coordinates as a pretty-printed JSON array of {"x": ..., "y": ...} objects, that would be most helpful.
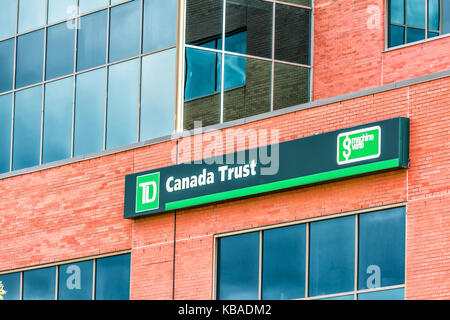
[
  {"x": 359, "y": 256},
  {"x": 86, "y": 42},
  {"x": 90, "y": 112},
  {"x": 100, "y": 279}
]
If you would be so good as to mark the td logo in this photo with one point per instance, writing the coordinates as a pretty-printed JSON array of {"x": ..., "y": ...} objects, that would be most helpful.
[
  {"x": 147, "y": 192},
  {"x": 359, "y": 145}
]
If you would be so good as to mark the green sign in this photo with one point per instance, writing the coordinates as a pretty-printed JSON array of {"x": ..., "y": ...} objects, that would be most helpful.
[
  {"x": 359, "y": 145},
  {"x": 147, "y": 192}
]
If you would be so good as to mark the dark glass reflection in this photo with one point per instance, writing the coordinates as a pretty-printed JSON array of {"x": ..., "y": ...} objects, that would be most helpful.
[
  {"x": 30, "y": 58},
  {"x": 284, "y": 263},
  {"x": 27, "y": 128},
  {"x": 122, "y": 113},
  {"x": 113, "y": 278},
  {"x": 124, "y": 35},
  {"x": 11, "y": 284},
  {"x": 413, "y": 34},
  {"x": 6, "y": 65},
  {"x": 203, "y": 20},
  {"x": 382, "y": 248},
  {"x": 292, "y": 27},
  {"x": 92, "y": 40},
  {"x": 5, "y": 131},
  {"x": 160, "y": 24},
  {"x": 60, "y": 51},
  {"x": 58, "y": 120},
  {"x": 291, "y": 86},
  {"x": 397, "y": 11},
  {"x": 239, "y": 267},
  {"x": 433, "y": 15},
  {"x": 332, "y": 256},
  {"x": 394, "y": 294},
  {"x": 75, "y": 281},
  {"x": 39, "y": 284},
  {"x": 255, "y": 17},
  {"x": 445, "y": 17},
  {"x": 415, "y": 13},
  {"x": 158, "y": 95},
  {"x": 396, "y": 36}
]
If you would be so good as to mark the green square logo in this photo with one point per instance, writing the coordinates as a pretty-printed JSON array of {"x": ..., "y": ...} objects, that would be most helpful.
[
  {"x": 359, "y": 145},
  {"x": 147, "y": 192}
]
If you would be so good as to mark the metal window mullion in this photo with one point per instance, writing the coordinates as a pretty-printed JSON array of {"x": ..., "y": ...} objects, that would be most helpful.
[
  {"x": 307, "y": 260},
  {"x": 77, "y": 23},
  {"x": 13, "y": 107},
  {"x": 272, "y": 81},
  {"x": 426, "y": 19},
  {"x": 141, "y": 36},
  {"x": 311, "y": 52},
  {"x": 260, "y": 265},
  {"x": 94, "y": 268},
  {"x": 356, "y": 253},
  {"x": 222, "y": 71},
  {"x": 44, "y": 67},
  {"x": 105, "y": 122},
  {"x": 56, "y": 282}
]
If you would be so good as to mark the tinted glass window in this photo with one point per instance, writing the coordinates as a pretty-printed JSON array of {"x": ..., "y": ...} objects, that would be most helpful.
[
  {"x": 92, "y": 40},
  {"x": 6, "y": 65},
  {"x": 89, "y": 5},
  {"x": 415, "y": 13},
  {"x": 39, "y": 284},
  {"x": 122, "y": 114},
  {"x": 11, "y": 284},
  {"x": 413, "y": 34},
  {"x": 396, "y": 35},
  {"x": 31, "y": 14},
  {"x": 60, "y": 51},
  {"x": 203, "y": 20},
  {"x": 75, "y": 281},
  {"x": 158, "y": 94},
  {"x": 5, "y": 131},
  {"x": 433, "y": 14},
  {"x": 394, "y": 294},
  {"x": 446, "y": 17},
  {"x": 8, "y": 15},
  {"x": 58, "y": 120},
  {"x": 397, "y": 9},
  {"x": 160, "y": 24},
  {"x": 290, "y": 85},
  {"x": 61, "y": 10},
  {"x": 113, "y": 278},
  {"x": 239, "y": 267},
  {"x": 27, "y": 128},
  {"x": 30, "y": 58}
]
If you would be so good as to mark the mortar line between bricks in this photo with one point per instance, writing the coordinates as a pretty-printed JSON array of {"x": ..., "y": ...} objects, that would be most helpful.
[{"x": 171, "y": 241}]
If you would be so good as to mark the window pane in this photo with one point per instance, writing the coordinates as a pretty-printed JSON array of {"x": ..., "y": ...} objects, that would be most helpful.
[
  {"x": 445, "y": 17},
  {"x": 332, "y": 256},
  {"x": 61, "y": 10},
  {"x": 415, "y": 13},
  {"x": 301, "y": 2},
  {"x": 27, "y": 128},
  {"x": 291, "y": 86},
  {"x": 123, "y": 91},
  {"x": 160, "y": 24},
  {"x": 346, "y": 297},
  {"x": 89, "y": 5},
  {"x": 30, "y": 58},
  {"x": 113, "y": 278},
  {"x": 284, "y": 261},
  {"x": 396, "y": 36},
  {"x": 395, "y": 294},
  {"x": 75, "y": 281},
  {"x": 432, "y": 34},
  {"x": 11, "y": 284},
  {"x": 397, "y": 11},
  {"x": 239, "y": 267},
  {"x": 413, "y": 35},
  {"x": 247, "y": 85},
  {"x": 92, "y": 40},
  {"x": 254, "y": 17},
  {"x": 31, "y": 14},
  {"x": 5, "y": 131},
  {"x": 58, "y": 120},
  {"x": 89, "y": 112},
  {"x": 60, "y": 50},
  {"x": 6, "y": 65},
  {"x": 39, "y": 284},
  {"x": 158, "y": 95},
  {"x": 8, "y": 15},
  {"x": 124, "y": 31},
  {"x": 203, "y": 20},
  {"x": 433, "y": 15},
  {"x": 292, "y": 34},
  {"x": 202, "y": 91},
  {"x": 382, "y": 248}
]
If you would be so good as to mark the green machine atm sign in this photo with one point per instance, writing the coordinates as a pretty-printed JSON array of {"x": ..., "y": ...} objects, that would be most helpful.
[{"x": 331, "y": 156}]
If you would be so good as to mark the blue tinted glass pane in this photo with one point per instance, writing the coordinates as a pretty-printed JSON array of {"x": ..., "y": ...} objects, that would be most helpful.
[
  {"x": 237, "y": 42},
  {"x": 433, "y": 15},
  {"x": 6, "y": 65},
  {"x": 396, "y": 36},
  {"x": 92, "y": 40},
  {"x": 60, "y": 51},
  {"x": 39, "y": 284},
  {"x": 160, "y": 24},
  {"x": 11, "y": 284},
  {"x": 30, "y": 58},
  {"x": 239, "y": 267},
  {"x": 201, "y": 73},
  {"x": 89, "y": 112},
  {"x": 382, "y": 248},
  {"x": 58, "y": 120},
  {"x": 61, "y": 10},
  {"x": 332, "y": 256},
  {"x": 413, "y": 35},
  {"x": 122, "y": 113},
  {"x": 5, "y": 131},
  {"x": 395, "y": 294},
  {"x": 346, "y": 297},
  {"x": 31, "y": 14},
  {"x": 113, "y": 278},
  {"x": 75, "y": 281},
  {"x": 397, "y": 11},
  {"x": 432, "y": 34},
  {"x": 445, "y": 17},
  {"x": 284, "y": 261},
  {"x": 27, "y": 128},
  {"x": 124, "y": 31},
  {"x": 89, "y": 5},
  {"x": 158, "y": 95},
  {"x": 8, "y": 15},
  {"x": 234, "y": 73},
  {"x": 415, "y": 13}
]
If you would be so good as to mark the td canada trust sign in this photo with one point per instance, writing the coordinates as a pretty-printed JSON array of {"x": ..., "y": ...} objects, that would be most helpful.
[{"x": 326, "y": 157}]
